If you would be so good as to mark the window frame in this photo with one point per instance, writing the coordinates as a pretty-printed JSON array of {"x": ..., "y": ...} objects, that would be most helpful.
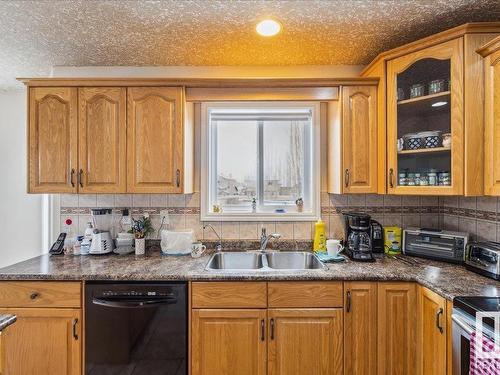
[{"x": 207, "y": 155}]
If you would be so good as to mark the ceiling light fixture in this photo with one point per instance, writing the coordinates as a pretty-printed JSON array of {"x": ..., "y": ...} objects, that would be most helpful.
[
  {"x": 439, "y": 104},
  {"x": 268, "y": 27}
]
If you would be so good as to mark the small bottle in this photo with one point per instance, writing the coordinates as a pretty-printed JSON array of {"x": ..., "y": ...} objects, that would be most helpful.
[
  {"x": 89, "y": 231},
  {"x": 319, "y": 237}
]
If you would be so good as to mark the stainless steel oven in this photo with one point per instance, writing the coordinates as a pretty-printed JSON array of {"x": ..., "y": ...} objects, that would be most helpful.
[
  {"x": 136, "y": 328},
  {"x": 464, "y": 323}
]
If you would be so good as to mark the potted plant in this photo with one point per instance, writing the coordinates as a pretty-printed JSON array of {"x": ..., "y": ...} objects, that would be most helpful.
[{"x": 141, "y": 228}]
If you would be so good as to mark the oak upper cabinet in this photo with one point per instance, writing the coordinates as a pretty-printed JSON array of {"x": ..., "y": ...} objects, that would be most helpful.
[
  {"x": 102, "y": 140},
  {"x": 305, "y": 341},
  {"x": 155, "y": 140},
  {"x": 491, "y": 54},
  {"x": 360, "y": 328},
  {"x": 432, "y": 332},
  {"x": 425, "y": 121},
  {"x": 397, "y": 316},
  {"x": 52, "y": 134},
  {"x": 359, "y": 132},
  {"x": 227, "y": 342}
]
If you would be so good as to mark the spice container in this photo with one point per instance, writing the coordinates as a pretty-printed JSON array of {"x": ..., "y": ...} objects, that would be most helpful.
[
  {"x": 432, "y": 178},
  {"x": 444, "y": 179},
  {"x": 417, "y": 90},
  {"x": 438, "y": 85},
  {"x": 417, "y": 179},
  {"x": 411, "y": 179},
  {"x": 402, "y": 180},
  {"x": 424, "y": 180}
]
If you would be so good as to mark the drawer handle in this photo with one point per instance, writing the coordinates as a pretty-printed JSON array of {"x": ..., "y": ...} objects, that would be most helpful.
[
  {"x": 271, "y": 322},
  {"x": 178, "y": 177},
  {"x": 391, "y": 178},
  {"x": 346, "y": 177},
  {"x": 34, "y": 295},
  {"x": 80, "y": 178},
  {"x": 75, "y": 333},
  {"x": 71, "y": 178},
  {"x": 348, "y": 302}
]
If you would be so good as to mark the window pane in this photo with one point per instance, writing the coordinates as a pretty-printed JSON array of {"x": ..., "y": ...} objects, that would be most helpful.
[
  {"x": 237, "y": 163},
  {"x": 284, "y": 160}
]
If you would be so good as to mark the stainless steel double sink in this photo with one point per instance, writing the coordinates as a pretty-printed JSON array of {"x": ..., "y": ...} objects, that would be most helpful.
[{"x": 264, "y": 261}]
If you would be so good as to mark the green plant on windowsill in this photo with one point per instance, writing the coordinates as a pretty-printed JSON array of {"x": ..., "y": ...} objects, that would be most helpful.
[{"x": 141, "y": 227}]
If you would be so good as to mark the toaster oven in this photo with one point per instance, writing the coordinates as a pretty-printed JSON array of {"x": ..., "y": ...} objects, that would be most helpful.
[
  {"x": 435, "y": 244},
  {"x": 483, "y": 258}
]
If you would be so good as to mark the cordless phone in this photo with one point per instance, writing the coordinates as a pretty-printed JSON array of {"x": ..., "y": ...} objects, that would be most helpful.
[{"x": 58, "y": 246}]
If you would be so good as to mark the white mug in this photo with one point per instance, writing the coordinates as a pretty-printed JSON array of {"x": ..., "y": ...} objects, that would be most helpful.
[
  {"x": 334, "y": 247},
  {"x": 197, "y": 249}
]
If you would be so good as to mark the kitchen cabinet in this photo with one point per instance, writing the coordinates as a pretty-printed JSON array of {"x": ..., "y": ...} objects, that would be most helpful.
[
  {"x": 50, "y": 339},
  {"x": 102, "y": 136},
  {"x": 396, "y": 331},
  {"x": 425, "y": 121},
  {"x": 305, "y": 341},
  {"x": 491, "y": 54},
  {"x": 52, "y": 135},
  {"x": 228, "y": 341},
  {"x": 155, "y": 139},
  {"x": 359, "y": 144},
  {"x": 47, "y": 336},
  {"x": 432, "y": 333},
  {"x": 360, "y": 328}
]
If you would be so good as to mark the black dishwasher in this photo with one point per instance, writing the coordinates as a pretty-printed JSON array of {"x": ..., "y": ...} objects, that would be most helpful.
[{"x": 136, "y": 328}]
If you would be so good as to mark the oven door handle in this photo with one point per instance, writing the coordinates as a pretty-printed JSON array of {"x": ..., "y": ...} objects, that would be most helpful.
[
  {"x": 462, "y": 324},
  {"x": 128, "y": 304}
]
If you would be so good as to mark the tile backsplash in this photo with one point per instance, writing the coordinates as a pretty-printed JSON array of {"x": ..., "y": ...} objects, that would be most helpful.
[{"x": 184, "y": 212}]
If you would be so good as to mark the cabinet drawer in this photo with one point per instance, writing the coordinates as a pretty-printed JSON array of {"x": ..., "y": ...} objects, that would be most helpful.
[
  {"x": 229, "y": 294},
  {"x": 40, "y": 294},
  {"x": 305, "y": 294}
]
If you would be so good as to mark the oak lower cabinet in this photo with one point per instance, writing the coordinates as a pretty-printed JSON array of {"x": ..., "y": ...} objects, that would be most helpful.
[
  {"x": 305, "y": 341},
  {"x": 228, "y": 341},
  {"x": 396, "y": 338},
  {"x": 432, "y": 333},
  {"x": 43, "y": 341},
  {"x": 360, "y": 328},
  {"x": 359, "y": 132}
]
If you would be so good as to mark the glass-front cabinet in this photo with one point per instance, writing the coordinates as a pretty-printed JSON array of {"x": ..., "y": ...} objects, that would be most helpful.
[{"x": 425, "y": 121}]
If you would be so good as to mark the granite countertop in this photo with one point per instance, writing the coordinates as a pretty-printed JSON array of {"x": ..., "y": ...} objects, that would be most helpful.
[
  {"x": 6, "y": 320},
  {"x": 447, "y": 280}
]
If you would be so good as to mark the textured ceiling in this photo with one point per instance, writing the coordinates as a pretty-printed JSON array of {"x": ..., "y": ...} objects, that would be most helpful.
[{"x": 35, "y": 35}]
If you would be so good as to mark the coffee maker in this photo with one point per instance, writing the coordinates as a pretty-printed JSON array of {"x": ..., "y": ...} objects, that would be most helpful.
[{"x": 358, "y": 237}]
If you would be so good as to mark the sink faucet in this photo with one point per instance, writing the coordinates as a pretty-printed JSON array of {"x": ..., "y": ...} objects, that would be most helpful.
[
  {"x": 264, "y": 238},
  {"x": 218, "y": 247}
]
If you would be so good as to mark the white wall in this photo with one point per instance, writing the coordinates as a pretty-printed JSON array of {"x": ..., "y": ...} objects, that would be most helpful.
[{"x": 20, "y": 213}]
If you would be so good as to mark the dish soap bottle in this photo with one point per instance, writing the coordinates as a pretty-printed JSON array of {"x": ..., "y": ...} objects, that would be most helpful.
[{"x": 319, "y": 237}]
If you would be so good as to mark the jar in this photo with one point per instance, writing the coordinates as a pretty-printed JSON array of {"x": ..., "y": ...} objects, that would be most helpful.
[
  {"x": 431, "y": 139},
  {"x": 411, "y": 179},
  {"x": 444, "y": 179},
  {"x": 424, "y": 180},
  {"x": 401, "y": 94},
  {"x": 447, "y": 140},
  {"x": 417, "y": 179},
  {"x": 417, "y": 90},
  {"x": 432, "y": 178},
  {"x": 402, "y": 180},
  {"x": 438, "y": 85},
  {"x": 412, "y": 141}
]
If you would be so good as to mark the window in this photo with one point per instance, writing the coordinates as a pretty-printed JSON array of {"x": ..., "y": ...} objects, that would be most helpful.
[{"x": 260, "y": 161}]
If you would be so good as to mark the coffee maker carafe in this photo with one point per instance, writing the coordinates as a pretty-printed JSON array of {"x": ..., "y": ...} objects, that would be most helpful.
[{"x": 358, "y": 241}]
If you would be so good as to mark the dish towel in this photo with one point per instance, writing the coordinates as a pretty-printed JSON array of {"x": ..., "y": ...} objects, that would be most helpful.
[{"x": 483, "y": 366}]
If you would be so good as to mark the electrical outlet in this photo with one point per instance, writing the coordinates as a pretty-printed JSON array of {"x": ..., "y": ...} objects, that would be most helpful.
[{"x": 164, "y": 218}]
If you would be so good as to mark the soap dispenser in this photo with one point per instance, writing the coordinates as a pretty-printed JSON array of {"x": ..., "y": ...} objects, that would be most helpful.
[{"x": 319, "y": 237}]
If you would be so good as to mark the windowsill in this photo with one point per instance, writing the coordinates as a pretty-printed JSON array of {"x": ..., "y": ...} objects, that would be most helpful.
[{"x": 251, "y": 217}]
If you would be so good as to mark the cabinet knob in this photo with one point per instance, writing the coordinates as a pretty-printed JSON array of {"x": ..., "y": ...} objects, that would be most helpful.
[{"x": 34, "y": 295}]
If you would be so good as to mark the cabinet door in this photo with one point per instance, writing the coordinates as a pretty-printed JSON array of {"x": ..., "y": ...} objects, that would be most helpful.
[
  {"x": 228, "y": 342},
  {"x": 425, "y": 121},
  {"x": 359, "y": 129},
  {"x": 102, "y": 139},
  {"x": 305, "y": 341},
  {"x": 396, "y": 328},
  {"x": 432, "y": 333},
  {"x": 492, "y": 124},
  {"x": 360, "y": 328},
  {"x": 52, "y": 135},
  {"x": 43, "y": 341},
  {"x": 155, "y": 140}
]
